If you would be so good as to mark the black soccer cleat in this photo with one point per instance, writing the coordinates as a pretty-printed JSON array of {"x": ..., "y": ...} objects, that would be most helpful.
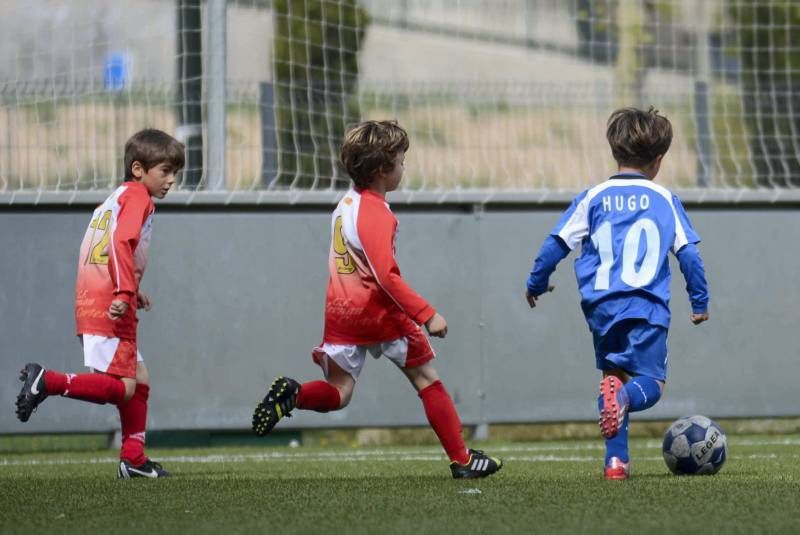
[
  {"x": 479, "y": 465},
  {"x": 278, "y": 403},
  {"x": 33, "y": 390},
  {"x": 149, "y": 469}
]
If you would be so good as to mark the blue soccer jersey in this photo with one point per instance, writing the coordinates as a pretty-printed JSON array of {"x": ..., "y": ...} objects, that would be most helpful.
[{"x": 625, "y": 227}]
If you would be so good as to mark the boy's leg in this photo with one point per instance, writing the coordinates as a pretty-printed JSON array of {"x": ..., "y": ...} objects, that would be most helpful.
[
  {"x": 440, "y": 410},
  {"x": 39, "y": 383},
  {"x": 616, "y": 444},
  {"x": 332, "y": 394},
  {"x": 648, "y": 368},
  {"x": 612, "y": 403},
  {"x": 413, "y": 355},
  {"x": 642, "y": 392},
  {"x": 613, "y": 407},
  {"x": 95, "y": 387},
  {"x": 133, "y": 462},
  {"x": 115, "y": 358},
  {"x": 133, "y": 419},
  {"x": 611, "y": 352},
  {"x": 444, "y": 419},
  {"x": 640, "y": 351},
  {"x": 341, "y": 365}
]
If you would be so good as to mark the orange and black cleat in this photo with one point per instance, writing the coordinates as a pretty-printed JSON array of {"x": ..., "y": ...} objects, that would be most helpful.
[{"x": 615, "y": 406}]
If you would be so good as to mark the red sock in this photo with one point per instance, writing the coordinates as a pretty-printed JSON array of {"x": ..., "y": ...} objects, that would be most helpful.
[
  {"x": 444, "y": 420},
  {"x": 95, "y": 387},
  {"x": 133, "y": 417},
  {"x": 319, "y": 396},
  {"x": 55, "y": 382}
]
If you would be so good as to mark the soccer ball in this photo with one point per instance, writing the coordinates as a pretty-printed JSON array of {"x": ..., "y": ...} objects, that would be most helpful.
[{"x": 695, "y": 445}]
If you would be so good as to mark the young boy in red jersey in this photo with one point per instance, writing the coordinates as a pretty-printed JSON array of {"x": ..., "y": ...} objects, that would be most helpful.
[
  {"x": 113, "y": 257},
  {"x": 370, "y": 308}
]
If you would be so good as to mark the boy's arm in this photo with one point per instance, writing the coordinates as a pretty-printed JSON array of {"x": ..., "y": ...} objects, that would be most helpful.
[
  {"x": 376, "y": 227},
  {"x": 570, "y": 230},
  {"x": 685, "y": 249},
  {"x": 694, "y": 274},
  {"x": 553, "y": 251},
  {"x": 133, "y": 211}
]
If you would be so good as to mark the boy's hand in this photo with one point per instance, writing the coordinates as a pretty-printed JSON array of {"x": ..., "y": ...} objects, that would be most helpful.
[
  {"x": 117, "y": 309},
  {"x": 697, "y": 319},
  {"x": 532, "y": 298},
  {"x": 437, "y": 326},
  {"x": 143, "y": 301}
]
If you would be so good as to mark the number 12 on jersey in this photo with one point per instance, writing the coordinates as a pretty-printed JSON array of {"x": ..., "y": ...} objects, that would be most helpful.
[
  {"x": 98, "y": 252},
  {"x": 603, "y": 240}
]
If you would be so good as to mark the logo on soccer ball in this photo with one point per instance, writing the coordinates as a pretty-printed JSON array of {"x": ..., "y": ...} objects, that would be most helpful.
[{"x": 695, "y": 445}]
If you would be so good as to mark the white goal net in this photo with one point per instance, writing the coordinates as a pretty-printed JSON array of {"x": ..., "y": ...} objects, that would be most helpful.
[{"x": 497, "y": 95}]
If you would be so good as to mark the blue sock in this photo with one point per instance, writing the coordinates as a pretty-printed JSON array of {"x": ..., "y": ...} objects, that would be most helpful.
[
  {"x": 643, "y": 393},
  {"x": 617, "y": 446}
]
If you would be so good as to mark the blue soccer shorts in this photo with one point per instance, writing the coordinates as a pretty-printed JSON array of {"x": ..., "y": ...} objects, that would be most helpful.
[{"x": 634, "y": 345}]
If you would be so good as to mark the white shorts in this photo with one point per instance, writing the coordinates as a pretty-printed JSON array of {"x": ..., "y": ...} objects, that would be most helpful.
[
  {"x": 114, "y": 356},
  {"x": 406, "y": 352}
]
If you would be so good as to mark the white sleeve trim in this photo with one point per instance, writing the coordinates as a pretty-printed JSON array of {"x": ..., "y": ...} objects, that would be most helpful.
[{"x": 577, "y": 226}]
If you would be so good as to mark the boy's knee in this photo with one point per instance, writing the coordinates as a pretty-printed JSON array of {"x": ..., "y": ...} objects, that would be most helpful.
[
  {"x": 142, "y": 375},
  {"x": 345, "y": 386},
  {"x": 345, "y": 394},
  {"x": 422, "y": 376},
  {"x": 130, "y": 388}
]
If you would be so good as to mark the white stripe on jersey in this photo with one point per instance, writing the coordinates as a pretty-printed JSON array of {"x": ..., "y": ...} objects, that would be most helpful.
[
  {"x": 577, "y": 226},
  {"x": 112, "y": 204},
  {"x": 113, "y": 224}
]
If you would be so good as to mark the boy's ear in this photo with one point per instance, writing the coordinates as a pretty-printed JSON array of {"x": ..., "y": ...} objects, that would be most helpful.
[{"x": 137, "y": 169}]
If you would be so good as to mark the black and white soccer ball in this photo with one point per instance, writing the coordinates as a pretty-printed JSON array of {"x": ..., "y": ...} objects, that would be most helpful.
[{"x": 695, "y": 445}]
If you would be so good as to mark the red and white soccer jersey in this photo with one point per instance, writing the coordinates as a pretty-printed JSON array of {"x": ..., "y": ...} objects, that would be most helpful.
[
  {"x": 367, "y": 300},
  {"x": 112, "y": 260}
]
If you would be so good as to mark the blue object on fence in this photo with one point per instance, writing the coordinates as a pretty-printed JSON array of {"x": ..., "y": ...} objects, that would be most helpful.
[{"x": 116, "y": 72}]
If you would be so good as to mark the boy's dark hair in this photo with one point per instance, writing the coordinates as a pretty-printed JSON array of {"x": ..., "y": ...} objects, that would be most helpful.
[
  {"x": 637, "y": 137},
  {"x": 370, "y": 147},
  {"x": 151, "y": 147}
]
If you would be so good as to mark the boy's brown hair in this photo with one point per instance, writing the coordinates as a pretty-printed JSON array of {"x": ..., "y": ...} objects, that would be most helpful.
[
  {"x": 370, "y": 147},
  {"x": 637, "y": 137},
  {"x": 151, "y": 147}
]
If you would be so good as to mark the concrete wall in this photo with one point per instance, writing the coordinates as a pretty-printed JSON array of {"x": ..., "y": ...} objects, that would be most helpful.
[{"x": 238, "y": 299}]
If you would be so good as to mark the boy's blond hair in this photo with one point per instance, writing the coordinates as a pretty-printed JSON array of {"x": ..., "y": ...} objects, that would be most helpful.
[
  {"x": 370, "y": 147},
  {"x": 638, "y": 137},
  {"x": 151, "y": 147}
]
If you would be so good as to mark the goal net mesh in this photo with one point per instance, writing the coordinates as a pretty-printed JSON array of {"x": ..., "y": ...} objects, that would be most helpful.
[{"x": 497, "y": 95}]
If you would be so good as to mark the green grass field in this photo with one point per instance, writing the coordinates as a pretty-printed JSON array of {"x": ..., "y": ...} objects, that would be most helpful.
[{"x": 545, "y": 487}]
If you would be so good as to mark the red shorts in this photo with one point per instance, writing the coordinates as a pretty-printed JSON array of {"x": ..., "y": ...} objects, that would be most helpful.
[
  {"x": 114, "y": 356},
  {"x": 410, "y": 351}
]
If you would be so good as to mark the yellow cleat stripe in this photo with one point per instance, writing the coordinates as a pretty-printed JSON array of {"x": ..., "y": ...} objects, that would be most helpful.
[{"x": 278, "y": 410}]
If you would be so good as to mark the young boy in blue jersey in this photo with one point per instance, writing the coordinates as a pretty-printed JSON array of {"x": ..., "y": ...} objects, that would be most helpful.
[{"x": 625, "y": 227}]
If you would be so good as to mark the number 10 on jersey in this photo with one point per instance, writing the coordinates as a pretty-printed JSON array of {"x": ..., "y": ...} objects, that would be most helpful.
[{"x": 603, "y": 241}]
